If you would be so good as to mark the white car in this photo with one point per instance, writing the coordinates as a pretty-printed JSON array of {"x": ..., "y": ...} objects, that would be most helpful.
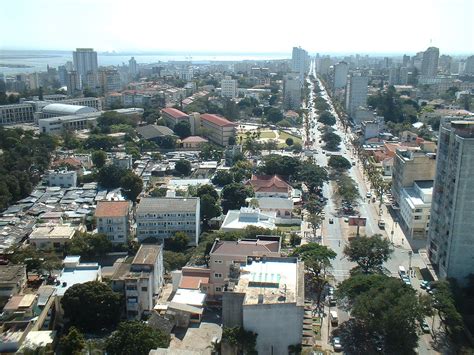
[
  {"x": 368, "y": 195},
  {"x": 336, "y": 343}
]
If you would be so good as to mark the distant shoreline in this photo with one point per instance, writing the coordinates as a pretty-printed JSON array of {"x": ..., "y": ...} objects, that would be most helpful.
[{"x": 6, "y": 65}]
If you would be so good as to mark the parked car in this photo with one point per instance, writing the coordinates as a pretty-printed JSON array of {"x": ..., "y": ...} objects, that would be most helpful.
[
  {"x": 424, "y": 284},
  {"x": 336, "y": 343},
  {"x": 425, "y": 327},
  {"x": 368, "y": 195},
  {"x": 346, "y": 219},
  {"x": 331, "y": 221}
]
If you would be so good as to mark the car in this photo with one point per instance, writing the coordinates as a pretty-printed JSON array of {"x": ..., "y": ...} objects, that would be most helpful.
[
  {"x": 425, "y": 327},
  {"x": 368, "y": 195},
  {"x": 331, "y": 221},
  {"x": 346, "y": 219},
  {"x": 336, "y": 343},
  {"x": 406, "y": 280},
  {"x": 424, "y": 284},
  {"x": 353, "y": 163},
  {"x": 331, "y": 290}
]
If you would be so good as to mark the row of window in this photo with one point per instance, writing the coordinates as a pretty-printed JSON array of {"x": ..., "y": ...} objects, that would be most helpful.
[{"x": 161, "y": 215}]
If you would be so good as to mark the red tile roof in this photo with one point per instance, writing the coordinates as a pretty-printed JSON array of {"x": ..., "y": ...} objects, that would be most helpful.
[
  {"x": 269, "y": 183},
  {"x": 246, "y": 247},
  {"x": 112, "y": 208},
  {"x": 174, "y": 112},
  {"x": 217, "y": 120},
  {"x": 193, "y": 278},
  {"x": 194, "y": 139}
]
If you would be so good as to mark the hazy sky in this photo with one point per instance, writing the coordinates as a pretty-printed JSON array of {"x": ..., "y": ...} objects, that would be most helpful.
[{"x": 380, "y": 26}]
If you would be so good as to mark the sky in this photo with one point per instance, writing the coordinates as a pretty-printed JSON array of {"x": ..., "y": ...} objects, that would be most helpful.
[{"x": 249, "y": 26}]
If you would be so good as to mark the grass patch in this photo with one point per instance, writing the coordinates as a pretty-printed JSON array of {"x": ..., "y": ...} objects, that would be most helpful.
[{"x": 285, "y": 229}]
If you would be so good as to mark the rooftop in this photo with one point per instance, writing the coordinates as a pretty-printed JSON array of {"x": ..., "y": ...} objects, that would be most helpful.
[
  {"x": 11, "y": 273},
  {"x": 147, "y": 254},
  {"x": 174, "y": 112},
  {"x": 269, "y": 183},
  {"x": 153, "y": 131},
  {"x": 276, "y": 280},
  {"x": 112, "y": 208},
  {"x": 65, "y": 109},
  {"x": 53, "y": 232},
  {"x": 189, "y": 297},
  {"x": 167, "y": 204},
  {"x": 81, "y": 273},
  {"x": 246, "y": 247},
  {"x": 193, "y": 278},
  {"x": 217, "y": 120},
  {"x": 240, "y": 219},
  {"x": 194, "y": 139}
]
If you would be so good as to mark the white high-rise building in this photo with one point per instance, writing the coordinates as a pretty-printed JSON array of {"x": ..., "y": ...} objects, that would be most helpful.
[
  {"x": 340, "y": 75},
  {"x": 324, "y": 65},
  {"x": 469, "y": 66},
  {"x": 300, "y": 61},
  {"x": 429, "y": 63},
  {"x": 85, "y": 60},
  {"x": 356, "y": 93},
  {"x": 450, "y": 238},
  {"x": 132, "y": 66},
  {"x": 291, "y": 92},
  {"x": 229, "y": 87}
]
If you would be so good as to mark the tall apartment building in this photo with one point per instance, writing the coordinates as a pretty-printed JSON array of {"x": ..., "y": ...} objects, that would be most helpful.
[
  {"x": 341, "y": 70},
  {"x": 132, "y": 66},
  {"x": 291, "y": 91},
  {"x": 410, "y": 165},
  {"x": 451, "y": 238},
  {"x": 469, "y": 66},
  {"x": 73, "y": 83},
  {"x": 141, "y": 281},
  {"x": 300, "y": 61},
  {"x": 85, "y": 60},
  {"x": 161, "y": 218},
  {"x": 324, "y": 65},
  {"x": 229, "y": 87},
  {"x": 429, "y": 63},
  {"x": 266, "y": 297},
  {"x": 356, "y": 93},
  {"x": 113, "y": 220},
  {"x": 217, "y": 129},
  {"x": 109, "y": 80}
]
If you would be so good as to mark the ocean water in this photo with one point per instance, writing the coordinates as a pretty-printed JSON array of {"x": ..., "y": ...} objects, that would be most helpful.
[{"x": 38, "y": 60}]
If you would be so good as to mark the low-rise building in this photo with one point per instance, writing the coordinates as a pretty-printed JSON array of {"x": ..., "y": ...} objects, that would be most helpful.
[
  {"x": 54, "y": 236},
  {"x": 217, "y": 129},
  {"x": 237, "y": 220},
  {"x": 12, "y": 279},
  {"x": 193, "y": 142},
  {"x": 415, "y": 206},
  {"x": 154, "y": 132},
  {"x": 173, "y": 116},
  {"x": 161, "y": 218},
  {"x": 267, "y": 298},
  {"x": 225, "y": 255},
  {"x": 141, "y": 281},
  {"x": 270, "y": 186},
  {"x": 62, "y": 178},
  {"x": 113, "y": 220}
]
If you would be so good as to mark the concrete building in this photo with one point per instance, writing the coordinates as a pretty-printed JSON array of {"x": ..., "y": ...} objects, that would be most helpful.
[
  {"x": 109, "y": 80},
  {"x": 132, "y": 67},
  {"x": 450, "y": 238},
  {"x": 300, "y": 61},
  {"x": 292, "y": 91},
  {"x": 85, "y": 60},
  {"x": 16, "y": 113},
  {"x": 73, "y": 83},
  {"x": 12, "y": 279},
  {"x": 229, "y": 87},
  {"x": 193, "y": 142},
  {"x": 141, "y": 281},
  {"x": 341, "y": 70},
  {"x": 469, "y": 66},
  {"x": 410, "y": 165},
  {"x": 270, "y": 186},
  {"x": 324, "y": 65},
  {"x": 217, "y": 129},
  {"x": 55, "y": 110},
  {"x": 173, "y": 116},
  {"x": 113, "y": 220},
  {"x": 429, "y": 63},
  {"x": 356, "y": 93},
  {"x": 237, "y": 220},
  {"x": 415, "y": 205},
  {"x": 267, "y": 298},
  {"x": 224, "y": 255},
  {"x": 62, "y": 178},
  {"x": 161, "y": 218},
  {"x": 56, "y": 125},
  {"x": 51, "y": 237}
]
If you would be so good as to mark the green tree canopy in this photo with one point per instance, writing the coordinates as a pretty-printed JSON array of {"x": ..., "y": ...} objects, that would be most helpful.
[
  {"x": 280, "y": 165},
  {"x": 98, "y": 158},
  {"x": 135, "y": 338},
  {"x": 243, "y": 340},
  {"x": 209, "y": 208},
  {"x": 289, "y": 141},
  {"x": 338, "y": 162},
  {"x": 207, "y": 190},
  {"x": 327, "y": 118},
  {"x": 331, "y": 140},
  {"x": 369, "y": 252},
  {"x": 91, "y": 306},
  {"x": 178, "y": 242},
  {"x": 234, "y": 196},
  {"x": 274, "y": 115},
  {"x": 109, "y": 176},
  {"x": 132, "y": 185},
  {"x": 73, "y": 342},
  {"x": 347, "y": 189},
  {"x": 222, "y": 178},
  {"x": 182, "y": 129},
  {"x": 183, "y": 167}
]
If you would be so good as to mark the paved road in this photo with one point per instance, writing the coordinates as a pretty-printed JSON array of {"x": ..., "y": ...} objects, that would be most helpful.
[{"x": 335, "y": 234}]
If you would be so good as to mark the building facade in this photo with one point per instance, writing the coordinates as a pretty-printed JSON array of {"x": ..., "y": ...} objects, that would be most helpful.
[
  {"x": 356, "y": 93},
  {"x": 85, "y": 60},
  {"x": 415, "y": 205},
  {"x": 161, "y": 218},
  {"x": 229, "y": 87},
  {"x": 217, "y": 129},
  {"x": 450, "y": 238},
  {"x": 429, "y": 63},
  {"x": 341, "y": 70},
  {"x": 113, "y": 220},
  {"x": 62, "y": 178},
  {"x": 292, "y": 91}
]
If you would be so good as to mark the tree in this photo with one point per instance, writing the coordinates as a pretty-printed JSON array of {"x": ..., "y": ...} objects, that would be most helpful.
[
  {"x": 109, "y": 176},
  {"x": 98, "y": 158},
  {"x": 168, "y": 142},
  {"x": 385, "y": 312},
  {"x": 73, "y": 342},
  {"x": 183, "y": 167},
  {"x": 280, "y": 165},
  {"x": 443, "y": 302},
  {"x": 135, "y": 338},
  {"x": 182, "y": 129},
  {"x": 295, "y": 240},
  {"x": 369, "y": 253},
  {"x": 317, "y": 260},
  {"x": 132, "y": 185},
  {"x": 244, "y": 340},
  {"x": 99, "y": 142},
  {"x": 338, "y": 162},
  {"x": 234, "y": 196},
  {"x": 222, "y": 178},
  {"x": 173, "y": 260},
  {"x": 209, "y": 208},
  {"x": 313, "y": 176},
  {"x": 210, "y": 152},
  {"x": 274, "y": 115},
  {"x": 332, "y": 140},
  {"x": 347, "y": 189},
  {"x": 178, "y": 242},
  {"x": 91, "y": 306},
  {"x": 207, "y": 190},
  {"x": 289, "y": 141},
  {"x": 327, "y": 118}
]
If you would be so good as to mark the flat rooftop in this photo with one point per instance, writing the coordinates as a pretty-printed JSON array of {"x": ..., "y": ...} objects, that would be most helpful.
[
  {"x": 147, "y": 254},
  {"x": 81, "y": 274},
  {"x": 277, "y": 280}
]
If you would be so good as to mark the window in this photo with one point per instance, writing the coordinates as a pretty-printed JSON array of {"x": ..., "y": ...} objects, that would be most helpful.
[
  {"x": 144, "y": 289},
  {"x": 131, "y": 287},
  {"x": 218, "y": 261},
  {"x": 417, "y": 217},
  {"x": 217, "y": 275},
  {"x": 218, "y": 289}
]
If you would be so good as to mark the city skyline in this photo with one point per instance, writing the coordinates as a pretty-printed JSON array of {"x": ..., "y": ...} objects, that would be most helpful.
[{"x": 353, "y": 28}]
